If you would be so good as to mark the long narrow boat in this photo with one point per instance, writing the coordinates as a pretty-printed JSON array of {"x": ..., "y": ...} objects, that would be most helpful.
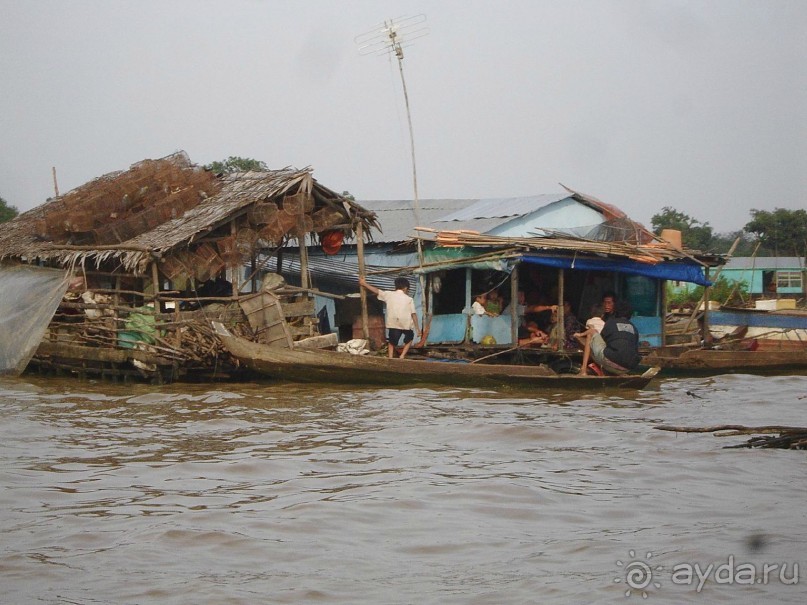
[
  {"x": 322, "y": 366},
  {"x": 719, "y": 361}
]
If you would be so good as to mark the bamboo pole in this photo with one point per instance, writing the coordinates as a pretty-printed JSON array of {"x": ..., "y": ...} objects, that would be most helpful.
[
  {"x": 155, "y": 278},
  {"x": 560, "y": 327},
  {"x": 514, "y": 319},
  {"x": 237, "y": 267},
  {"x": 706, "y": 291},
  {"x": 55, "y": 182},
  {"x": 365, "y": 322}
]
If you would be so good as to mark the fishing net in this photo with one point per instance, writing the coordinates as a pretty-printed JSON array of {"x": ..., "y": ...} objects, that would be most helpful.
[{"x": 29, "y": 296}]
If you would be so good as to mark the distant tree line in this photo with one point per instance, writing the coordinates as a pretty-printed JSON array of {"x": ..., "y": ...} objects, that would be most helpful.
[
  {"x": 780, "y": 232},
  {"x": 7, "y": 212}
]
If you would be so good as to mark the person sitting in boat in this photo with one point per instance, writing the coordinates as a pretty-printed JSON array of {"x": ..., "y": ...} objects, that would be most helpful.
[
  {"x": 571, "y": 326},
  {"x": 616, "y": 348},
  {"x": 480, "y": 305},
  {"x": 607, "y": 305},
  {"x": 401, "y": 319},
  {"x": 493, "y": 304},
  {"x": 532, "y": 336}
]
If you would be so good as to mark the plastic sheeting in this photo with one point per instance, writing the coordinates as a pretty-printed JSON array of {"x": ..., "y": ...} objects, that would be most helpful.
[
  {"x": 678, "y": 271},
  {"x": 29, "y": 296}
]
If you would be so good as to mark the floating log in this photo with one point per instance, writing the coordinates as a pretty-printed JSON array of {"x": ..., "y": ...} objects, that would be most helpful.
[{"x": 789, "y": 437}]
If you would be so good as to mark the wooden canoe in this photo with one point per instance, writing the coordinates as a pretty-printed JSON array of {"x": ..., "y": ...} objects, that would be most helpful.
[
  {"x": 725, "y": 360},
  {"x": 321, "y": 366}
]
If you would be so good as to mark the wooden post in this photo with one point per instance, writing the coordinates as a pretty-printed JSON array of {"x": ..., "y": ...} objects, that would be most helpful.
[
  {"x": 55, "y": 182},
  {"x": 237, "y": 267},
  {"x": 514, "y": 319},
  {"x": 468, "y": 302},
  {"x": 155, "y": 278},
  {"x": 424, "y": 308},
  {"x": 663, "y": 313},
  {"x": 365, "y": 322},
  {"x": 305, "y": 282},
  {"x": 253, "y": 278},
  {"x": 560, "y": 327},
  {"x": 707, "y": 291}
]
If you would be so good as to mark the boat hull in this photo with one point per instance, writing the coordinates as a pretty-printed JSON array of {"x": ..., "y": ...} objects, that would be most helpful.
[
  {"x": 722, "y": 361},
  {"x": 319, "y": 366}
]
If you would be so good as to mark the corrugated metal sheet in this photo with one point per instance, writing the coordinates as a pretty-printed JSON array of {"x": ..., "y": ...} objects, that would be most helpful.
[
  {"x": 397, "y": 217},
  {"x": 784, "y": 263},
  {"x": 505, "y": 207},
  {"x": 333, "y": 273}
]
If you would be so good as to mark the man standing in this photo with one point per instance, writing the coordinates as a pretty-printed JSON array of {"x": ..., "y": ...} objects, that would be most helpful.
[{"x": 401, "y": 319}]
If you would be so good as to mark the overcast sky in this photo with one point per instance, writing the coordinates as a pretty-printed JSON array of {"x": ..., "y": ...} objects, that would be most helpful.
[{"x": 699, "y": 105}]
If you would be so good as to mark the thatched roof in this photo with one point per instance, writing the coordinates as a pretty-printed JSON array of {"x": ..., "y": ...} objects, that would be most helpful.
[{"x": 138, "y": 215}]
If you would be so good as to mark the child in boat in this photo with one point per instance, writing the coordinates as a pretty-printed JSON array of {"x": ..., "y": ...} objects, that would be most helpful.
[
  {"x": 493, "y": 304},
  {"x": 480, "y": 305},
  {"x": 401, "y": 319}
]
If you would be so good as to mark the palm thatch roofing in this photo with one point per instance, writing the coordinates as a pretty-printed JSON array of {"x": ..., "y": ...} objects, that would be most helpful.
[{"x": 136, "y": 216}]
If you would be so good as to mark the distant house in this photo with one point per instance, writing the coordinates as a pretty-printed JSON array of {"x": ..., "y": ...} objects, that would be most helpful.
[
  {"x": 767, "y": 277},
  {"x": 566, "y": 245}
]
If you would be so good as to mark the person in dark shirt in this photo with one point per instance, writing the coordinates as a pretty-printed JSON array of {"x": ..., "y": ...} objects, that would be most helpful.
[{"x": 616, "y": 348}]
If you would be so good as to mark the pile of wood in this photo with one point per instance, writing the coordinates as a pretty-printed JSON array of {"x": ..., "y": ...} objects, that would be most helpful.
[
  {"x": 781, "y": 437},
  {"x": 653, "y": 252}
]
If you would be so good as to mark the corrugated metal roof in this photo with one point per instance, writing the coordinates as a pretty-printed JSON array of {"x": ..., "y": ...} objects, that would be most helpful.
[
  {"x": 765, "y": 262},
  {"x": 397, "y": 217},
  {"x": 504, "y": 207}
]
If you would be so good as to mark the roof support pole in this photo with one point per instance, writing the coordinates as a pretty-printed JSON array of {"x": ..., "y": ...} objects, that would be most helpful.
[
  {"x": 468, "y": 302},
  {"x": 365, "y": 324},
  {"x": 305, "y": 278},
  {"x": 514, "y": 305},
  {"x": 238, "y": 267},
  {"x": 560, "y": 326},
  {"x": 155, "y": 278}
]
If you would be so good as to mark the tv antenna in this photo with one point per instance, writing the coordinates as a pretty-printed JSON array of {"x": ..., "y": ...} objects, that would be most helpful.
[{"x": 391, "y": 37}]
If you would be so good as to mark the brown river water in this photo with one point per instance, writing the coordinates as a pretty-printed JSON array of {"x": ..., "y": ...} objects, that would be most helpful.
[{"x": 274, "y": 493}]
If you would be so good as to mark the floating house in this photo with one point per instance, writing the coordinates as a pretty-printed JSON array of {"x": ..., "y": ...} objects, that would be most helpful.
[
  {"x": 767, "y": 276},
  {"x": 542, "y": 249},
  {"x": 122, "y": 276}
]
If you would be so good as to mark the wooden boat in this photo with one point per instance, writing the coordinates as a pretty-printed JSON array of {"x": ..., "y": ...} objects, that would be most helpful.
[
  {"x": 718, "y": 361},
  {"x": 323, "y": 366}
]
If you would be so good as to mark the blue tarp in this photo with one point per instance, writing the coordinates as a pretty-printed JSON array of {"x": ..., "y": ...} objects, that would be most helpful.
[{"x": 687, "y": 272}]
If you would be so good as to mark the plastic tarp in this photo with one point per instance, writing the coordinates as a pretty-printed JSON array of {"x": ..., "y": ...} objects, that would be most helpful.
[
  {"x": 29, "y": 296},
  {"x": 687, "y": 272},
  {"x": 453, "y": 258}
]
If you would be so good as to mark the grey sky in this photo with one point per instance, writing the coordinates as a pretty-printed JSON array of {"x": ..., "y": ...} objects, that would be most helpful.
[{"x": 699, "y": 105}]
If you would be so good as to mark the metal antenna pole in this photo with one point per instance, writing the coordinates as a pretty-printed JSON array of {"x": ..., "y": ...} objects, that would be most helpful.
[
  {"x": 387, "y": 39},
  {"x": 393, "y": 35}
]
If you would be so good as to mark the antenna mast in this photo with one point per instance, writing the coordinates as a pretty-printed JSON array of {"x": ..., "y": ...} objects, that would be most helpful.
[{"x": 389, "y": 38}]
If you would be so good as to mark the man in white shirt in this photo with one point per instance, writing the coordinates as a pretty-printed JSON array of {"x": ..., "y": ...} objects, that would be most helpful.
[{"x": 401, "y": 319}]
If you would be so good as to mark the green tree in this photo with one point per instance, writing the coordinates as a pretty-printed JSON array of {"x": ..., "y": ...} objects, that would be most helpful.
[
  {"x": 694, "y": 234},
  {"x": 7, "y": 212},
  {"x": 722, "y": 243},
  {"x": 237, "y": 164},
  {"x": 723, "y": 291},
  {"x": 782, "y": 232}
]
